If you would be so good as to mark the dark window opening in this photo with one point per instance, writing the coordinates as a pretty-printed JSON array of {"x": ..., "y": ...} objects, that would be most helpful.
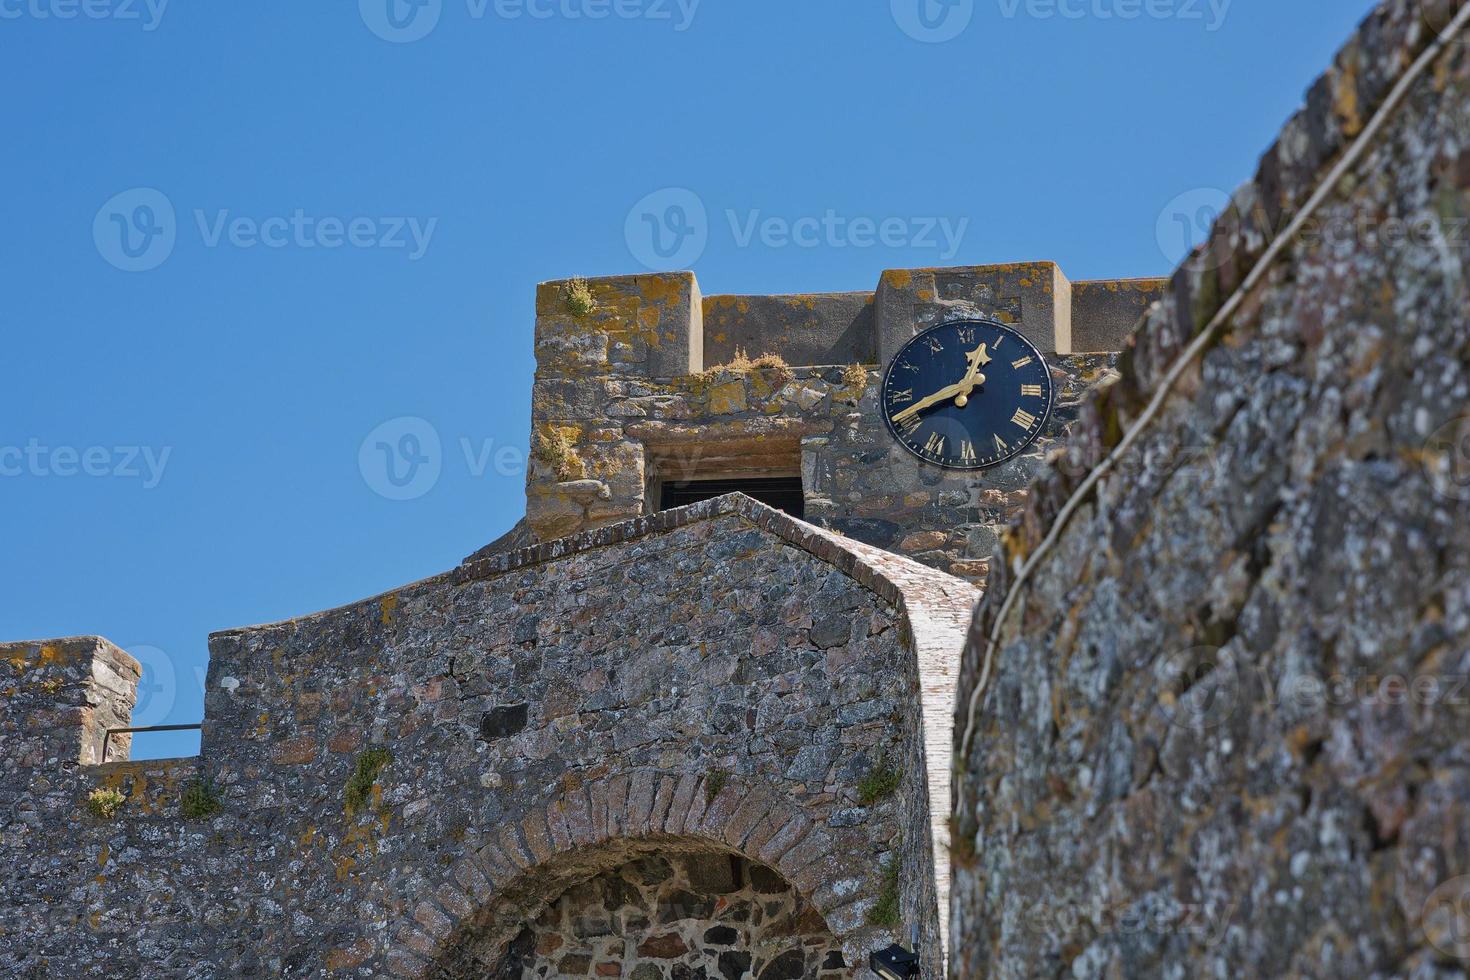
[{"x": 782, "y": 493}]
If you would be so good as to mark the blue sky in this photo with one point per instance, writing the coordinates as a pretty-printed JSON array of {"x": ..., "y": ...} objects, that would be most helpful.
[{"x": 243, "y": 243}]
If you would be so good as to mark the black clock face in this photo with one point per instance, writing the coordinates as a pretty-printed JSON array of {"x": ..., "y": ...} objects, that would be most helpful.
[{"x": 967, "y": 394}]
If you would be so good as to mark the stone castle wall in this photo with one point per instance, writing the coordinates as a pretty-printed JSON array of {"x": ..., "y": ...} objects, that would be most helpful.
[
  {"x": 1222, "y": 729},
  {"x": 400, "y": 786}
]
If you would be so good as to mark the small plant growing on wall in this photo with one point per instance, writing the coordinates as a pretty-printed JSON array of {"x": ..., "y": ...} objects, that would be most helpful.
[
  {"x": 104, "y": 803},
  {"x": 880, "y": 783},
  {"x": 713, "y": 783},
  {"x": 885, "y": 912},
  {"x": 743, "y": 363},
  {"x": 199, "y": 800},
  {"x": 962, "y": 844},
  {"x": 580, "y": 302},
  {"x": 364, "y": 775},
  {"x": 855, "y": 376},
  {"x": 557, "y": 448}
]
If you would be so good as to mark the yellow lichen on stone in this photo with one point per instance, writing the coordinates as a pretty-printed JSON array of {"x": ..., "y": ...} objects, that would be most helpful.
[
  {"x": 556, "y": 446},
  {"x": 389, "y": 604},
  {"x": 1345, "y": 102},
  {"x": 727, "y": 398}
]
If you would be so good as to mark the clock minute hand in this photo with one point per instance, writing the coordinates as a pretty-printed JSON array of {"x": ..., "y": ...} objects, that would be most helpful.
[
  {"x": 943, "y": 394},
  {"x": 959, "y": 391}
]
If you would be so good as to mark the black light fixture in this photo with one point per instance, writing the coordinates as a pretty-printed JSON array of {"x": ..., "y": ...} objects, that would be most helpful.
[{"x": 895, "y": 963}]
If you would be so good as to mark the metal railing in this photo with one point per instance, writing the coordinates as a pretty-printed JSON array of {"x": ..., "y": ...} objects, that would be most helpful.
[{"x": 107, "y": 735}]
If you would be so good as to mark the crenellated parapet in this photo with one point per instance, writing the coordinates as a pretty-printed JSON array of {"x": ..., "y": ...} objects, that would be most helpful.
[
  {"x": 641, "y": 384},
  {"x": 58, "y": 698}
]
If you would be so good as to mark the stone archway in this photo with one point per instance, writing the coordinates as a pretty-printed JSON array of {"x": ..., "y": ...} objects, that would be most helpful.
[
  {"x": 682, "y": 913},
  {"x": 524, "y": 882}
]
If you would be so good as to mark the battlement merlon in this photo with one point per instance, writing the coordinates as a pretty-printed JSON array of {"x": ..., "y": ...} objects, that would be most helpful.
[
  {"x": 660, "y": 325},
  {"x": 61, "y": 697}
]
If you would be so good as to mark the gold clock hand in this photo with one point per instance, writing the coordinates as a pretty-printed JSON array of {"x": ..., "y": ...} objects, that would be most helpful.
[
  {"x": 977, "y": 358},
  {"x": 927, "y": 402},
  {"x": 960, "y": 391}
]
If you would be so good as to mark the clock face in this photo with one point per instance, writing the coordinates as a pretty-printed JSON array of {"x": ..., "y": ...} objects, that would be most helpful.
[{"x": 967, "y": 394}]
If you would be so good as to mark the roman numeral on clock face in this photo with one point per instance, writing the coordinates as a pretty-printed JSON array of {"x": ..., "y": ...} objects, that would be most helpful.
[
  {"x": 1021, "y": 362},
  {"x": 1023, "y": 418},
  {"x": 935, "y": 444},
  {"x": 1033, "y": 390},
  {"x": 967, "y": 452},
  {"x": 894, "y": 397},
  {"x": 1000, "y": 444}
]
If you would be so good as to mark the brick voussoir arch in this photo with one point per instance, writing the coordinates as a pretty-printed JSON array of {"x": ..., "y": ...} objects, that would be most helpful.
[{"x": 509, "y": 872}]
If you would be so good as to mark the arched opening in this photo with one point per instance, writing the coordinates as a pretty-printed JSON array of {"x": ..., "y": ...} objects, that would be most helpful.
[{"x": 680, "y": 912}]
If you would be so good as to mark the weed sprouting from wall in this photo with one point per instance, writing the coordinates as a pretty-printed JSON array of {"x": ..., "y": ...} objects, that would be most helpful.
[
  {"x": 743, "y": 363},
  {"x": 364, "y": 775},
  {"x": 199, "y": 800},
  {"x": 555, "y": 445},
  {"x": 881, "y": 783},
  {"x": 104, "y": 803},
  {"x": 885, "y": 913},
  {"x": 579, "y": 299}
]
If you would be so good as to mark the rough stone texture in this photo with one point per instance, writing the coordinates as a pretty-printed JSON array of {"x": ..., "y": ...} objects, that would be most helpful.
[
  {"x": 547, "y": 715},
  {"x": 61, "y": 696},
  {"x": 628, "y": 432},
  {"x": 693, "y": 915},
  {"x": 1225, "y": 732},
  {"x": 1104, "y": 313},
  {"x": 816, "y": 328}
]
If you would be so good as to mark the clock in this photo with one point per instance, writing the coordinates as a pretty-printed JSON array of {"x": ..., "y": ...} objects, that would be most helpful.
[{"x": 967, "y": 394}]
